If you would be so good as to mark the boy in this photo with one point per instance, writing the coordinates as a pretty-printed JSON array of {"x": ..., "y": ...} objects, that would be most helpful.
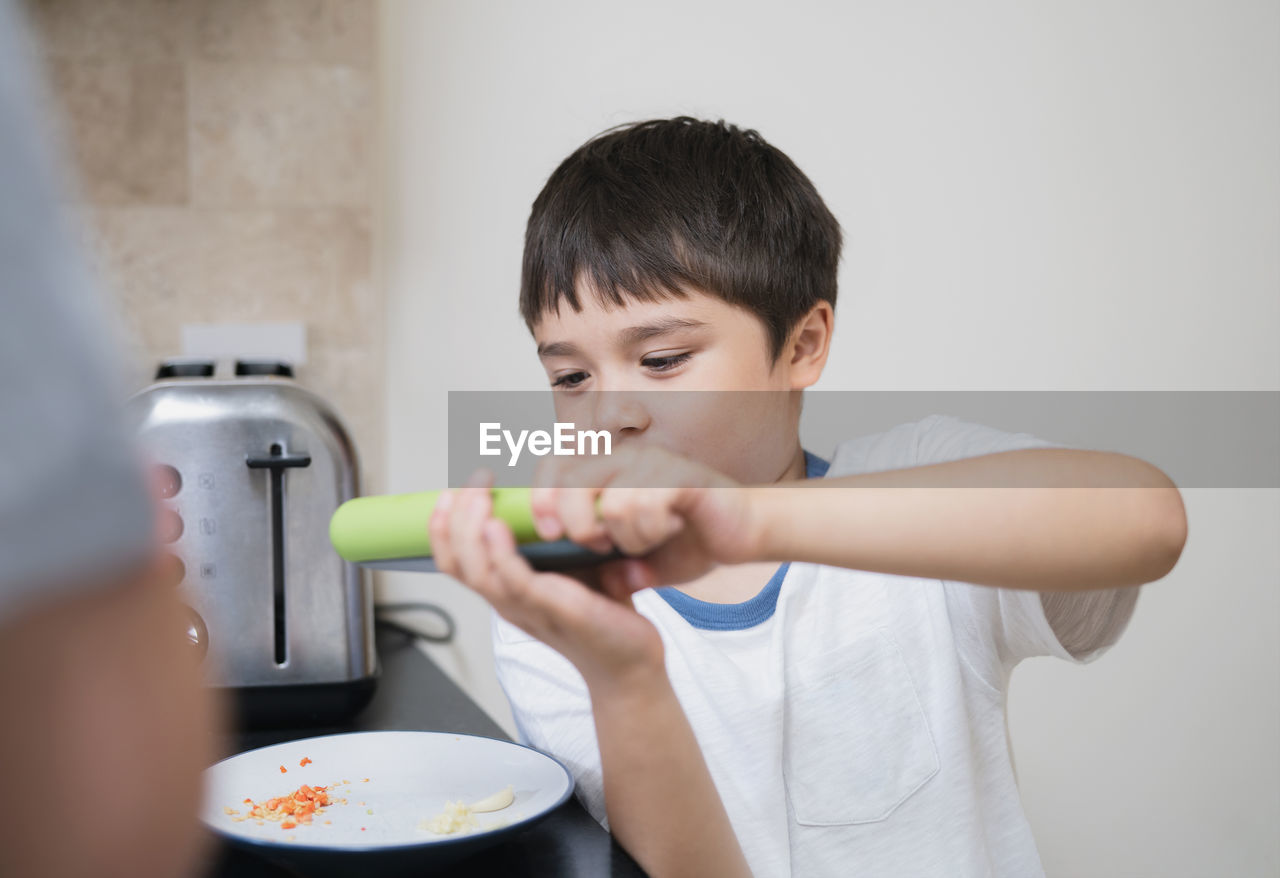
[{"x": 840, "y": 714}]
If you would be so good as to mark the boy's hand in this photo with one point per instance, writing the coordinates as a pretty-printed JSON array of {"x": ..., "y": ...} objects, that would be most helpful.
[
  {"x": 599, "y": 632},
  {"x": 678, "y": 517}
]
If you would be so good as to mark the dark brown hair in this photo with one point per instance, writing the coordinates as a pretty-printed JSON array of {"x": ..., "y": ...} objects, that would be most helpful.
[{"x": 653, "y": 209}]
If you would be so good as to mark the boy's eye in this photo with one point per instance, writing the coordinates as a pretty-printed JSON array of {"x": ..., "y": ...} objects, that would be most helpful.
[
  {"x": 663, "y": 364},
  {"x": 573, "y": 379}
]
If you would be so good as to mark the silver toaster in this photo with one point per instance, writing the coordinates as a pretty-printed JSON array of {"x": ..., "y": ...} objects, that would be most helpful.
[{"x": 251, "y": 467}]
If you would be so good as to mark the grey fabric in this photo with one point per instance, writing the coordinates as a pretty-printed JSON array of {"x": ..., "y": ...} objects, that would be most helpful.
[
  {"x": 73, "y": 502},
  {"x": 1086, "y": 621}
]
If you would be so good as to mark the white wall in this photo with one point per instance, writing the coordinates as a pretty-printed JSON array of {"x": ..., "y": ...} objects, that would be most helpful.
[{"x": 1035, "y": 196}]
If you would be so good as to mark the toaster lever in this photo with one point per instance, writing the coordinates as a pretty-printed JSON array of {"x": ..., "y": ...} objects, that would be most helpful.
[{"x": 277, "y": 463}]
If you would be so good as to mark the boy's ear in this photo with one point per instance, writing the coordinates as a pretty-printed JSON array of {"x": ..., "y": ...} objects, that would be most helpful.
[{"x": 810, "y": 343}]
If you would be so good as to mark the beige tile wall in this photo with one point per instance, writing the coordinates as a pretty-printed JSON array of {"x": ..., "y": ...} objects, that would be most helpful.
[{"x": 224, "y": 151}]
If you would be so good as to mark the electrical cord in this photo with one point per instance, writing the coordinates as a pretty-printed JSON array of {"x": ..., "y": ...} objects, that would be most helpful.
[{"x": 450, "y": 628}]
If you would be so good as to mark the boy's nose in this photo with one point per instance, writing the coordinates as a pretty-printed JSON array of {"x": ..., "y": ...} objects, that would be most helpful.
[{"x": 621, "y": 412}]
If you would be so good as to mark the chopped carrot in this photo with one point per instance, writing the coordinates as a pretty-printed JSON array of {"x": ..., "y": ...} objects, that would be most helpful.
[
  {"x": 296, "y": 807},
  {"x": 288, "y": 824},
  {"x": 306, "y": 760},
  {"x": 283, "y": 770}
]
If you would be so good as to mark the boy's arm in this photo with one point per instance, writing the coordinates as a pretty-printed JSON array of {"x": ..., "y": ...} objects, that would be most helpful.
[
  {"x": 663, "y": 806},
  {"x": 1040, "y": 519},
  {"x": 662, "y": 803},
  {"x": 1043, "y": 519}
]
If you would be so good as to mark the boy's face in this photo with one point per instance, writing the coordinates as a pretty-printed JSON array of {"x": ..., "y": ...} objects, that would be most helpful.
[{"x": 699, "y": 343}]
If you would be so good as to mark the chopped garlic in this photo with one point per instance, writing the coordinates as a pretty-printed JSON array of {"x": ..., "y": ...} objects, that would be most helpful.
[
  {"x": 459, "y": 817},
  {"x": 456, "y": 817}
]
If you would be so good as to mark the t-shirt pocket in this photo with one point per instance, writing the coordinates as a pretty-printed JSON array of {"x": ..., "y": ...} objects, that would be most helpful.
[{"x": 858, "y": 743}]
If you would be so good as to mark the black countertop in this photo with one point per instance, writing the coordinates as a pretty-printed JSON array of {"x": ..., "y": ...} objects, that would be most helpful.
[{"x": 415, "y": 695}]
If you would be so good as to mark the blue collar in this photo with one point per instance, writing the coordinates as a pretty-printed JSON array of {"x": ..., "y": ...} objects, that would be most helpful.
[{"x": 735, "y": 617}]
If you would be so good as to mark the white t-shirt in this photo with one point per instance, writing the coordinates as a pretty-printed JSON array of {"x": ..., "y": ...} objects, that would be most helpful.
[{"x": 853, "y": 722}]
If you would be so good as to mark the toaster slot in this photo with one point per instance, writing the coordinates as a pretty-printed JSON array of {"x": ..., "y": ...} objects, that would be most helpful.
[{"x": 276, "y": 462}]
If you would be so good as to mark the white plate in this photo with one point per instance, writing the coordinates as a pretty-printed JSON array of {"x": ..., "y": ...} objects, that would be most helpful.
[{"x": 411, "y": 775}]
